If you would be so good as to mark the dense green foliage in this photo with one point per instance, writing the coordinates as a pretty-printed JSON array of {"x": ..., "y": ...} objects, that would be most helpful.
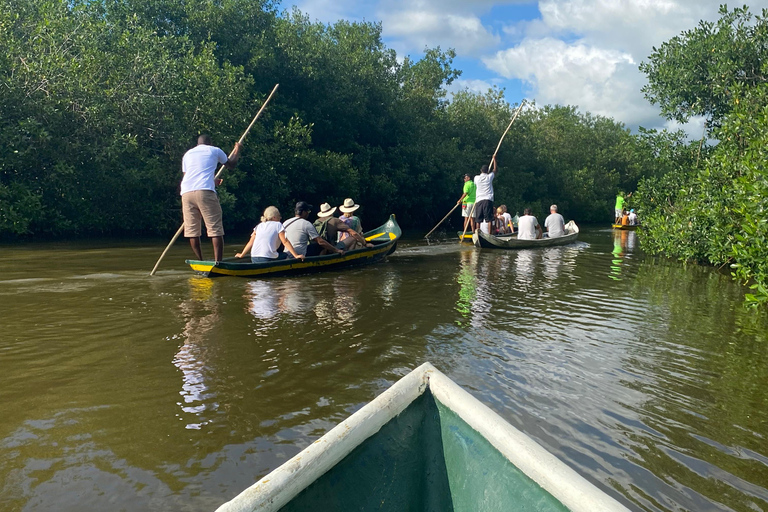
[
  {"x": 715, "y": 210},
  {"x": 698, "y": 72},
  {"x": 100, "y": 100}
]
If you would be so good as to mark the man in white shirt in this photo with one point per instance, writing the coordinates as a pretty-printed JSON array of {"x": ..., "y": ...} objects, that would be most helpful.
[
  {"x": 554, "y": 223},
  {"x": 484, "y": 194},
  {"x": 199, "y": 200},
  {"x": 528, "y": 227},
  {"x": 632, "y": 217}
]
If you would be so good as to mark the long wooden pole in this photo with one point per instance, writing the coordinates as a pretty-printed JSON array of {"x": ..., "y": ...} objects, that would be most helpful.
[
  {"x": 492, "y": 159},
  {"x": 178, "y": 233},
  {"x": 434, "y": 228}
]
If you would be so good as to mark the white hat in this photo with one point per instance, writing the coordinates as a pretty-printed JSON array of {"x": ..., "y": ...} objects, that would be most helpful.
[
  {"x": 326, "y": 210},
  {"x": 349, "y": 206}
]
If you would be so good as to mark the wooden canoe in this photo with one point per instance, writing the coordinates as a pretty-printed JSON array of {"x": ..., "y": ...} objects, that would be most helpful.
[
  {"x": 424, "y": 444},
  {"x": 383, "y": 238},
  {"x": 487, "y": 241},
  {"x": 626, "y": 227}
]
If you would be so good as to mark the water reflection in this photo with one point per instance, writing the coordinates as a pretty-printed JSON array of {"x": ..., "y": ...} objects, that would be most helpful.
[
  {"x": 201, "y": 311},
  {"x": 467, "y": 280},
  {"x": 619, "y": 246}
]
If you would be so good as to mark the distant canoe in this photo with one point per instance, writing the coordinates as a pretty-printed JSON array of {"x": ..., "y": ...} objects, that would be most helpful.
[
  {"x": 424, "y": 444},
  {"x": 384, "y": 240},
  {"x": 487, "y": 241},
  {"x": 626, "y": 227}
]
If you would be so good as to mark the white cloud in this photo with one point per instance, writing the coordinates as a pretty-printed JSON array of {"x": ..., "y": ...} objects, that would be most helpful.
[
  {"x": 478, "y": 86},
  {"x": 413, "y": 30},
  {"x": 602, "y": 81},
  {"x": 586, "y": 52}
]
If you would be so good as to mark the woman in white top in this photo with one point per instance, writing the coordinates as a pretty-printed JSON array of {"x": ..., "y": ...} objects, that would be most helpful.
[{"x": 266, "y": 239}]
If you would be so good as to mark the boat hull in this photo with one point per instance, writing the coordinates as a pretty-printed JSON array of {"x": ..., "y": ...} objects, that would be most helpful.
[
  {"x": 384, "y": 239},
  {"x": 487, "y": 241},
  {"x": 626, "y": 227},
  {"x": 424, "y": 444}
]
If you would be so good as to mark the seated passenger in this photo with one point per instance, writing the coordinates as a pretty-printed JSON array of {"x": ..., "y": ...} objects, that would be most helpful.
[
  {"x": 500, "y": 224},
  {"x": 328, "y": 227},
  {"x": 266, "y": 239},
  {"x": 632, "y": 217},
  {"x": 528, "y": 227},
  {"x": 350, "y": 220},
  {"x": 554, "y": 223},
  {"x": 624, "y": 218},
  {"x": 509, "y": 225},
  {"x": 303, "y": 235}
]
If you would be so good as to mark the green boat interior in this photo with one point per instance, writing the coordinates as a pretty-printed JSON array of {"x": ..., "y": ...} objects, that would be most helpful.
[{"x": 425, "y": 459}]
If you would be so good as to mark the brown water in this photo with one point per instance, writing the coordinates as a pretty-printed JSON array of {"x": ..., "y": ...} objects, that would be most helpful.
[{"x": 120, "y": 391}]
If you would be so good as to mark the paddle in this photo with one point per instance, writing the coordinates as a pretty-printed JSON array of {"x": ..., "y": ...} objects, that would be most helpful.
[
  {"x": 434, "y": 228},
  {"x": 178, "y": 233},
  {"x": 492, "y": 159}
]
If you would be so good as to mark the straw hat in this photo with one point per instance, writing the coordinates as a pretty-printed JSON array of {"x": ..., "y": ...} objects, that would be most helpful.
[
  {"x": 326, "y": 210},
  {"x": 349, "y": 206}
]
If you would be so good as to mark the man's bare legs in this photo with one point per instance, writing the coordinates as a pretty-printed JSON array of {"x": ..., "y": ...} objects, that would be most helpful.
[
  {"x": 195, "y": 243},
  {"x": 218, "y": 248}
]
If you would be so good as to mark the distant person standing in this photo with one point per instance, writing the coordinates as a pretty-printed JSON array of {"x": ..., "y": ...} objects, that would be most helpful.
[
  {"x": 199, "y": 200},
  {"x": 618, "y": 209},
  {"x": 554, "y": 223},
  {"x": 528, "y": 227},
  {"x": 467, "y": 201},
  {"x": 484, "y": 194}
]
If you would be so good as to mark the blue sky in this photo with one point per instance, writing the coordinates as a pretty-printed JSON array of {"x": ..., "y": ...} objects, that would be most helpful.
[{"x": 569, "y": 52}]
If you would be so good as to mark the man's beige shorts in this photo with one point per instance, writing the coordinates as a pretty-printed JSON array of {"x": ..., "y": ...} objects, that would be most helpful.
[{"x": 201, "y": 204}]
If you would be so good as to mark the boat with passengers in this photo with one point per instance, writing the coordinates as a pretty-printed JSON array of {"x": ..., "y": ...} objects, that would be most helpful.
[{"x": 384, "y": 240}]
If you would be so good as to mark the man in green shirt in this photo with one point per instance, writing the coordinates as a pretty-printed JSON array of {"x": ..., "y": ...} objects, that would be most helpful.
[
  {"x": 467, "y": 201},
  {"x": 619, "y": 208}
]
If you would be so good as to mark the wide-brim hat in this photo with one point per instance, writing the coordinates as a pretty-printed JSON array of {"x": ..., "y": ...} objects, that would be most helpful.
[
  {"x": 326, "y": 210},
  {"x": 349, "y": 206}
]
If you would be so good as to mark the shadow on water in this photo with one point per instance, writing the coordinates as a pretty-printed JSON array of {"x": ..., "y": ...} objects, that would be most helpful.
[{"x": 121, "y": 391}]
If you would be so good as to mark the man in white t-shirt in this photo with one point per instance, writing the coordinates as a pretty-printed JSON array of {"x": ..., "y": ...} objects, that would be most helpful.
[
  {"x": 554, "y": 223},
  {"x": 199, "y": 200},
  {"x": 632, "y": 217},
  {"x": 484, "y": 194},
  {"x": 528, "y": 227},
  {"x": 301, "y": 233}
]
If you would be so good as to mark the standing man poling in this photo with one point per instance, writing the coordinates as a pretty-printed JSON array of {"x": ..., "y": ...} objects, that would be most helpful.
[
  {"x": 618, "y": 209},
  {"x": 484, "y": 194},
  {"x": 467, "y": 201},
  {"x": 199, "y": 200}
]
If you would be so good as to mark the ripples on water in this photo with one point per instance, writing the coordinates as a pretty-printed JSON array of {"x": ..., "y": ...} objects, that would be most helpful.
[{"x": 121, "y": 391}]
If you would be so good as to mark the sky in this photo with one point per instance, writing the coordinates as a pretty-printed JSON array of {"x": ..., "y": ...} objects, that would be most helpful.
[{"x": 584, "y": 53}]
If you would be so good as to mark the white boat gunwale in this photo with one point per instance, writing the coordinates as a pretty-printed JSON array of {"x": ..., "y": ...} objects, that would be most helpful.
[{"x": 279, "y": 487}]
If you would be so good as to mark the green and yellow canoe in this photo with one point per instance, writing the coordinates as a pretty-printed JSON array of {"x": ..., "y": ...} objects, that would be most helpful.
[
  {"x": 626, "y": 227},
  {"x": 424, "y": 444},
  {"x": 383, "y": 238}
]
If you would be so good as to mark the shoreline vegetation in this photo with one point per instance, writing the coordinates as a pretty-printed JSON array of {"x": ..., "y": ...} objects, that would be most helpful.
[
  {"x": 714, "y": 210},
  {"x": 102, "y": 98}
]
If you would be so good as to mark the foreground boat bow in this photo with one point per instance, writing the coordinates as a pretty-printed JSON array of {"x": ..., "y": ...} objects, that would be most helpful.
[{"x": 424, "y": 444}]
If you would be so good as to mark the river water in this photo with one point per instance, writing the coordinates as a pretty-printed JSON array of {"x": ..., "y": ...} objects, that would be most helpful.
[{"x": 120, "y": 391}]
